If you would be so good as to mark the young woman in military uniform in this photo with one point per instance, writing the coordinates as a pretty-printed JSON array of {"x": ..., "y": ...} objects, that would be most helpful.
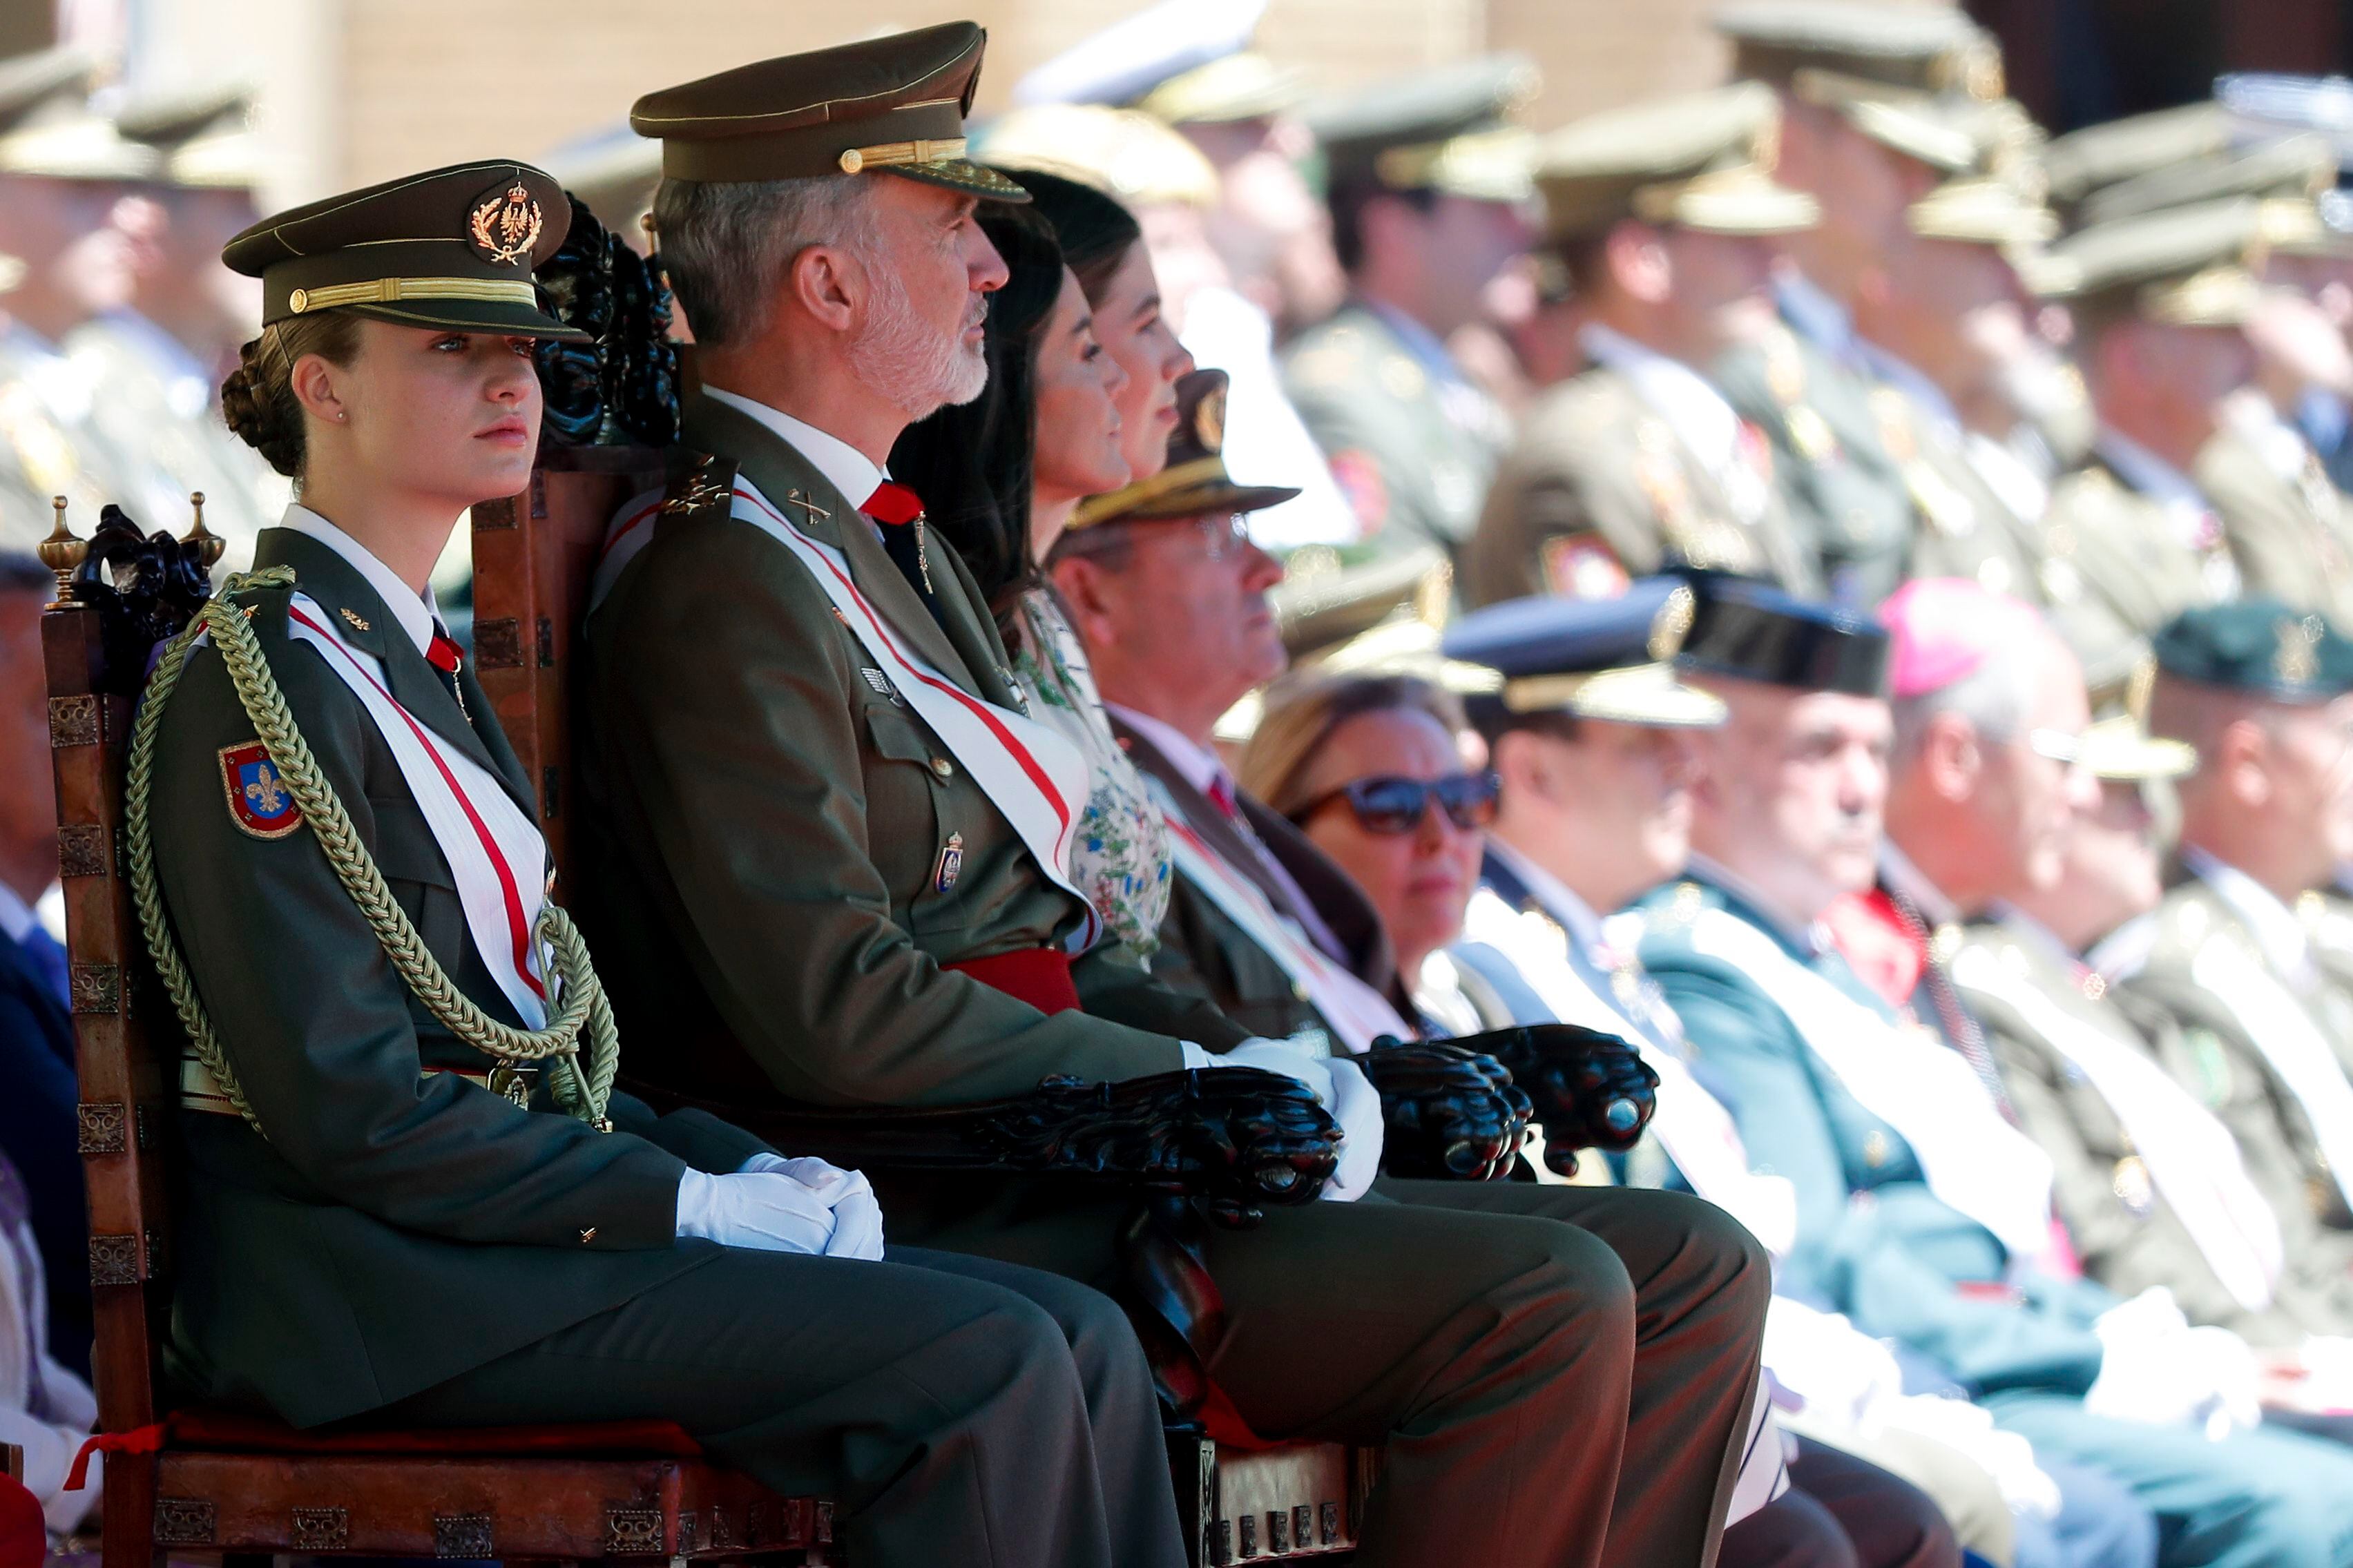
[{"x": 410, "y": 1192}]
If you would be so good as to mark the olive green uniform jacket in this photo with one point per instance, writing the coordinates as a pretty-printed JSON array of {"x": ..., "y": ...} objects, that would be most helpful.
[
  {"x": 2154, "y": 962},
  {"x": 1413, "y": 454},
  {"x": 1203, "y": 951},
  {"x": 2288, "y": 534},
  {"x": 1599, "y": 488},
  {"x": 394, "y": 1229},
  {"x": 768, "y": 865},
  {"x": 2128, "y": 553},
  {"x": 2125, "y": 1234}
]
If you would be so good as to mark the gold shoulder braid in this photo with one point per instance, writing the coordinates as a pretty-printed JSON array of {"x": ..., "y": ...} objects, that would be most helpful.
[{"x": 584, "y": 1092}]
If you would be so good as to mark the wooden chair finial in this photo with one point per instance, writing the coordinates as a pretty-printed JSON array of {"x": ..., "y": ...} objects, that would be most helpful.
[
  {"x": 62, "y": 552},
  {"x": 207, "y": 544}
]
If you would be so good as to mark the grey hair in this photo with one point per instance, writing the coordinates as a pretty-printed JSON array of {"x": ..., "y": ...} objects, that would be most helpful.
[
  {"x": 726, "y": 244},
  {"x": 1995, "y": 697}
]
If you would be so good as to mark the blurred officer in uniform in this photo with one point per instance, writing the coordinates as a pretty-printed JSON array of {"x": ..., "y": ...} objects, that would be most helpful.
[
  {"x": 1923, "y": 1211},
  {"x": 1862, "y": 136},
  {"x": 62, "y": 170},
  {"x": 157, "y": 361},
  {"x": 1595, "y": 738},
  {"x": 1429, "y": 189},
  {"x": 2265, "y": 695},
  {"x": 2283, "y": 520},
  {"x": 1662, "y": 217},
  {"x": 2158, "y": 302},
  {"x": 1996, "y": 772}
]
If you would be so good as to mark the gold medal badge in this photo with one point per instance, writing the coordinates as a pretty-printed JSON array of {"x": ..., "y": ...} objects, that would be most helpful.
[{"x": 505, "y": 224}]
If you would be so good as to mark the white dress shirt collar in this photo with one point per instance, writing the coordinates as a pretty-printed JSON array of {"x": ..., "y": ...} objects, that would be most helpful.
[
  {"x": 1695, "y": 411},
  {"x": 418, "y": 614},
  {"x": 1560, "y": 900},
  {"x": 845, "y": 467},
  {"x": 1197, "y": 765},
  {"x": 2276, "y": 929},
  {"x": 16, "y": 917}
]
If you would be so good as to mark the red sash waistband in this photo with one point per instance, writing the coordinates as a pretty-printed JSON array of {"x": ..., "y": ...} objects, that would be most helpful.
[{"x": 1037, "y": 976}]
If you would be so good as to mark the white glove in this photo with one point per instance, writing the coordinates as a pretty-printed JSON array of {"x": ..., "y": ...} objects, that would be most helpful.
[
  {"x": 2156, "y": 1370},
  {"x": 857, "y": 1213},
  {"x": 1339, "y": 1087}
]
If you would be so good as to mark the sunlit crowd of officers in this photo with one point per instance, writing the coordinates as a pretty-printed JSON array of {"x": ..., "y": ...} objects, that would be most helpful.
[{"x": 1812, "y": 576}]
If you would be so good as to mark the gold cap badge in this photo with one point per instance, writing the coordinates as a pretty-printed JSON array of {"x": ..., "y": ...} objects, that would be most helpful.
[
  {"x": 1672, "y": 624},
  {"x": 505, "y": 224},
  {"x": 2298, "y": 659}
]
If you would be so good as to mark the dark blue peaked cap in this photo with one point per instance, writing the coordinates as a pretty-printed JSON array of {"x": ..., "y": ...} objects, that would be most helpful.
[
  {"x": 2258, "y": 645},
  {"x": 1549, "y": 635},
  {"x": 1755, "y": 631}
]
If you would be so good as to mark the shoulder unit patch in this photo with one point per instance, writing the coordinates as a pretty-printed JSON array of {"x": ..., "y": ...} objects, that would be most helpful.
[{"x": 258, "y": 800}]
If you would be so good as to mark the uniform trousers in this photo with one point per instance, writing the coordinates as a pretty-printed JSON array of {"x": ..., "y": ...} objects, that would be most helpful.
[
  {"x": 1507, "y": 1345},
  {"x": 2264, "y": 1499},
  {"x": 956, "y": 1410},
  {"x": 1843, "y": 1513}
]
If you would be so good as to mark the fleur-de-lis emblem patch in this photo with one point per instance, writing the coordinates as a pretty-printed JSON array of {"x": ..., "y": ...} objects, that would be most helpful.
[
  {"x": 258, "y": 801},
  {"x": 702, "y": 489},
  {"x": 505, "y": 224}
]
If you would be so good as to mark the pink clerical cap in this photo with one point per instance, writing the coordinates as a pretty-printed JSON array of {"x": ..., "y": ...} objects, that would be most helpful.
[{"x": 1940, "y": 629}]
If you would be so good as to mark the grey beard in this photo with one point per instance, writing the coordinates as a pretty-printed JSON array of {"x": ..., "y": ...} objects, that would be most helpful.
[{"x": 899, "y": 360}]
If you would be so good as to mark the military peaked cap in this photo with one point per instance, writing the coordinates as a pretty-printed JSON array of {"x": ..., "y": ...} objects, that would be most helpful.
[
  {"x": 895, "y": 103},
  {"x": 1596, "y": 659},
  {"x": 2190, "y": 267},
  {"x": 48, "y": 131},
  {"x": 2296, "y": 167},
  {"x": 2085, "y": 161},
  {"x": 1444, "y": 129},
  {"x": 1936, "y": 47},
  {"x": 452, "y": 247},
  {"x": 1701, "y": 161},
  {"x": 1195, "y": 483},
  {"x": 2258, "y": 645},
  {"x": 1126, "y": 154},
  {"x": 204, "y": 134},
  {"x": 1757, "y": 632}
]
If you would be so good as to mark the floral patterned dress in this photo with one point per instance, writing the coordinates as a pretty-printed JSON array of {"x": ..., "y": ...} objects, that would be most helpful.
[{"x": 1118, "y": 856}]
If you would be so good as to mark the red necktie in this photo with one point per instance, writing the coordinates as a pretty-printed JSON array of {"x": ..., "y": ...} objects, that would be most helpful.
[
  {"x": 1221, "y": 796},
  {"x": 893, "y": 508},
  {"x": 443, "y": 653},
  {"x": 892, "y": 505}
]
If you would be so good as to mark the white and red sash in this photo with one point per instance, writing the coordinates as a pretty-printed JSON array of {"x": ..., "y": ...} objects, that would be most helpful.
[
  {"x": 1356, "y": 1013},
  {"x": 1037, "y": 780},
  {"x": 494, "y": 849}
]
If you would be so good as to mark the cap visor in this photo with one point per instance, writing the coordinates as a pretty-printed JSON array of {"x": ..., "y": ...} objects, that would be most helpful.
[
  {"x": 1763, "y": 210},
  {"x": 1199, "y": 500},
  {"x": 473, "y": 316},
  {"x": 962, "y": 175}
]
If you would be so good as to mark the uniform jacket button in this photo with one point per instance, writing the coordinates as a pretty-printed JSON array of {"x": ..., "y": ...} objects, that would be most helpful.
[{"x": 942, "y": 766}]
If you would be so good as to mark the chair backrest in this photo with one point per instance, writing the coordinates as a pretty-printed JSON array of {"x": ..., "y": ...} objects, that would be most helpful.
[
  {"x": 94, "y": 649},
  {"x": 535, "y": 556}
]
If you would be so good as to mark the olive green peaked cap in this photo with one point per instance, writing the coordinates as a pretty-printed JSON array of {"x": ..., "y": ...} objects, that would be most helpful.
[
  {"x": 2258, "y": 645},
  {"x": 451, "y": 247},
  {"x": 1702, "y": 161},
  {"x": 1195, "y": 482},
  {"x": 1444, "y": 130},
  {"x": 204, "y": 134},
  {"x": 895, "y": 103},
  {"x": 2297, "y": 166},
  {"x": 2191, "y": 266},
  {"x": 48, "y": 131},
  {"x": 1936, "y": 48},
  {"x": 2083, "y": 161}
]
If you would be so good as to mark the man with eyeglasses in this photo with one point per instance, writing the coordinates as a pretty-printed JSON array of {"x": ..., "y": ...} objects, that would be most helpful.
[
  {"x": 2265, "y": 695},
  {"x": 2153, "y": 1190},
  {"x": 1924, "y": 1213}
]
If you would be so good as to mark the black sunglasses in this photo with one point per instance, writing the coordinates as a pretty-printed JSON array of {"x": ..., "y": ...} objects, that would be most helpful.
[{"x": 1391, "y": 805}]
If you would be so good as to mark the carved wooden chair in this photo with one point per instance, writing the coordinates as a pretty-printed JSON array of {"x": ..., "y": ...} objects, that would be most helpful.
[
  {"x": 182, "y": 1482},
  {"x": 534, "y": 557}
]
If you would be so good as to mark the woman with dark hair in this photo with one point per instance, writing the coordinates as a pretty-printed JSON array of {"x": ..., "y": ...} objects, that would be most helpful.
[{"x": 1000, "y": 476}]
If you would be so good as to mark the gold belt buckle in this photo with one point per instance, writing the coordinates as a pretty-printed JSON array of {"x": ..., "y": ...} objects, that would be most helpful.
[{"x": 512, "y": 1083}]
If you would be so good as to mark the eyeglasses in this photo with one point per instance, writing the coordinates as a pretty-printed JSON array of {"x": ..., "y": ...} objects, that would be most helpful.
[
  {"x": 1223, "y": 538},
  {"x": 1395, "y": 805}
]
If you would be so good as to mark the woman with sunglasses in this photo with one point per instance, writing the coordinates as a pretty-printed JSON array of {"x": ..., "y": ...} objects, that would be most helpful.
[
  {"x": 404, "y": 1188},
  {"x": 1370, "y": 768},
  {"x": 1061, "y": 418}
]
